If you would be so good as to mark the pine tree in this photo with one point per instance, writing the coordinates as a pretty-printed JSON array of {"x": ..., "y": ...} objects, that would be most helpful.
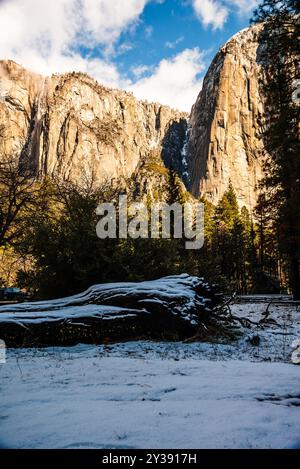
[
  {"x": 227, "y": 240},
  {"x": 176, "y": 189},
  {"x": 281, "y": 131},
  {"x": 249, "y": 235}
]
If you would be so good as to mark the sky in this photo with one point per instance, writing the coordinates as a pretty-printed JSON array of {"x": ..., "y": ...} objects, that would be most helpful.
[{"x": 157, "y": 49}]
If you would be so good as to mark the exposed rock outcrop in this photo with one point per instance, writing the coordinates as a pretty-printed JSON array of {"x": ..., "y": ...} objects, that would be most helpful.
[
  {"x": 224, "y": 142},
  {"x": 70, "y": 126}
]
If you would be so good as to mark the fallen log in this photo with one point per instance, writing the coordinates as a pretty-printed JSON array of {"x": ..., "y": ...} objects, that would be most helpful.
[{"x": 172, "y": 308}]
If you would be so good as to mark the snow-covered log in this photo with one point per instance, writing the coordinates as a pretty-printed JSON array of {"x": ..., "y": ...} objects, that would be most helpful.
[
  {"x": 296, "y": 352},
  {"x": 170, "y": 308}
]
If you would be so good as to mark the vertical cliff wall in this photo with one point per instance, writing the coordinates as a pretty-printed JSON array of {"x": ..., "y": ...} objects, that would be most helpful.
[
  {"x": 224, "y": 142},
  {"x": 70, "y": 126}
]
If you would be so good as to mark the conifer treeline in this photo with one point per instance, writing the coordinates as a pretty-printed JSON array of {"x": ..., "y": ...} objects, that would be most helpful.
[
  {"x": 280, "y": 131},
  {"x": 59, "y": 236}
]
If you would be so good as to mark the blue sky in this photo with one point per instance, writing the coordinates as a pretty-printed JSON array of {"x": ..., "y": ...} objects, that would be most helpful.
[
  {"x": 157, "y": 49},
  {"x": 169, "y": 28}
]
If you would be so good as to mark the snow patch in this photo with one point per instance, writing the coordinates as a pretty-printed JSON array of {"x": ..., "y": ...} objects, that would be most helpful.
[{"x": 88, "y": 397}]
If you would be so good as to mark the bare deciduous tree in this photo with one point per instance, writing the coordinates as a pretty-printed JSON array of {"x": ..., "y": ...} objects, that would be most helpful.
[{"x": 18, "y": 197}]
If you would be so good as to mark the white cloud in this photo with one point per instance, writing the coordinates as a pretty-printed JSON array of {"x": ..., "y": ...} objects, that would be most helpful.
[
  {"x": 244, "y": 6},
  {"x": 174, "y": 82},
  {"x": 211, "y": 12},
  {"x": 172, "y": 45},
  {"x": 140, "y": 70},
  {"x": 106, "y": 19},
  {"x": 148, "y": 32},
  {"x": 44, "y": 35},
  {"x": 216, "y": 12},
  {"x": 123, "y": 48}
]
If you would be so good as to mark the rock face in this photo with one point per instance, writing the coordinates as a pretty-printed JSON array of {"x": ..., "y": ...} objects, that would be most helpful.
[
  {"x": 224, "y": 144},
  {"x": 72, "y": 127}
]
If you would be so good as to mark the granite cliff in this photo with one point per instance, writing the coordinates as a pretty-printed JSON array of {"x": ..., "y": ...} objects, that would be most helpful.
[
  {"x": 70, "y": 126},
  {"x": 224, "y": 143}
]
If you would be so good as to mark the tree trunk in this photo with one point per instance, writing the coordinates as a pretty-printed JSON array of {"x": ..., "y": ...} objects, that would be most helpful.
[
  {"x": 295, "y": 279},
  {"x": 171, "y": 308}
]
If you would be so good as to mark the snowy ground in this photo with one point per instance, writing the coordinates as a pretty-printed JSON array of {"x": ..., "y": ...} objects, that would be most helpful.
[{"x": 158, "y": 395}]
